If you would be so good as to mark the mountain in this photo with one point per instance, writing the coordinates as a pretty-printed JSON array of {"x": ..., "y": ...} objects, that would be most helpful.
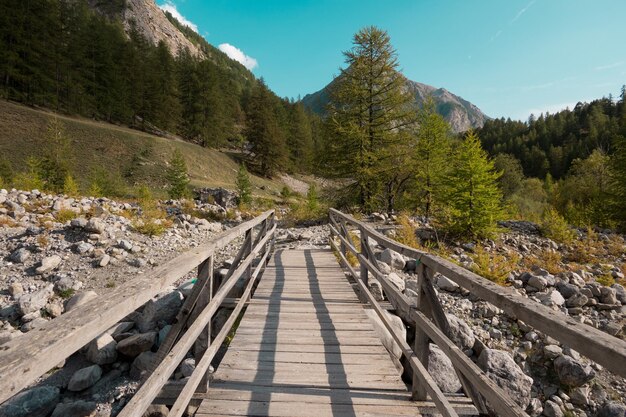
[{"x": 458, "y": 112}]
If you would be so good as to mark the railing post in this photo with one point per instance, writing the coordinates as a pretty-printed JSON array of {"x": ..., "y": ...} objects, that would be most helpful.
[
  {"x": 205, "y": 272},
  {"x": 364, "y": 252},
  {"x": 421, "y": 343}
]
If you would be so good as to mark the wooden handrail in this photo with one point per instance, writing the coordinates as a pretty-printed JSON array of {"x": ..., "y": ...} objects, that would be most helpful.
[
  {"x": 24, "y": 359},
  {"x": 595, "y": 344}
]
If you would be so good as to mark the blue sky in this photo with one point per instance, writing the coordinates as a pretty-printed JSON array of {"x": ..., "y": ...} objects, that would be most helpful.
[{"x": 509, "y": 57}]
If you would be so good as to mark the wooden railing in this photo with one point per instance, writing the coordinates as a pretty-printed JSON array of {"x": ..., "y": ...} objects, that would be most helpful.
[
  {"x": 30, "y": 356},
  {"x": 430, "y": 323}
]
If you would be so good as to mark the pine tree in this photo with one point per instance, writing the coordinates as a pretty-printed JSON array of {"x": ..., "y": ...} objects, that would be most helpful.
[
  {"x": 300, "y": 140},
  {"x": 471, "y": 194},
  {"x": 243, "y": 185},
  {"x": 177, "y": 176},
  {"x": 618, "y": 166},
  {"x": 369, "y": 113},
  {"x": 431, "y": 151},
  {"x": 55, "y": 164}
]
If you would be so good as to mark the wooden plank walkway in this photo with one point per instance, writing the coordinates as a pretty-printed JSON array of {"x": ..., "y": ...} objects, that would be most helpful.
[{"x": 305, "y": 347}]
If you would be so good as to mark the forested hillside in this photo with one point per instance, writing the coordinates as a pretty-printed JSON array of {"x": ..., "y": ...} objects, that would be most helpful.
[{"x": 67, "y": 57}]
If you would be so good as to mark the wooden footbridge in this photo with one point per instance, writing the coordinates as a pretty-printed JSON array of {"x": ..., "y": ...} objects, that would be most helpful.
[{"x": 301, "y": 344}]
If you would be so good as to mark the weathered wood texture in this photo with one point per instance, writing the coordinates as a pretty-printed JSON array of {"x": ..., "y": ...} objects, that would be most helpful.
[
  {"x": 597, "y": 345},
  {"x": 305, "y": 347}
]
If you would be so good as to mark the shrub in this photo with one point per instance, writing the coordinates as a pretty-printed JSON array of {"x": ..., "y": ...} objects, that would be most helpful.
[
  {"x": 30, "y": 179},
  {"x": 177, "y": 176},
  {"x": 312, "y": 199},
  {"x": 606, "y": 280},
  {"x": 405, "y": 233},
  {"x": 65, "y": 215},
  {"x": 492, "y": 265},
  {"x": 555, "y": 227},
  {"x": 104, "y": 183},
  {"x": 70, "y": 187},
  {"x": 285, "y": 193},
  {"x": 243, "y": 186},
  {"x": 549, "y": 260},
  {"x": 6, "y": 172},
  {"x": 152, "y": 221}
]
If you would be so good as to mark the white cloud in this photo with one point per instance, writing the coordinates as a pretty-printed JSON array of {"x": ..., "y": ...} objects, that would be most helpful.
[
  {"x": 171, "y": 8},
  {"x": 237, "y": 54},
  {"x": 609, "y": 66},
  {"x": 522, "y": 11}
]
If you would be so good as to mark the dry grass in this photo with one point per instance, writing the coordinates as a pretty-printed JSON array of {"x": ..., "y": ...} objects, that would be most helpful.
[
  {"x": 551, "y": 261},
  {"x": 65, "y": 215},
  {"x": 405, "y": 233}
]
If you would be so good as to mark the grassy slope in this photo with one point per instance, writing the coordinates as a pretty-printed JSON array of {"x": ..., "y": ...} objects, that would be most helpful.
[{"x": 118, "y": 149}]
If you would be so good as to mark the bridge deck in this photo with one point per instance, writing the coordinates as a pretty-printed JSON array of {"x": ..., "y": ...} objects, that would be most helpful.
[{"x": 305, "y": 347}]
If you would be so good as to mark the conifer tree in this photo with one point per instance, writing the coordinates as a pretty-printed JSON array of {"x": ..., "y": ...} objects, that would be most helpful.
[
  {"x": 618, "y": 165},
  {"x": 55, "y": 164},
  {"x": 177, "y": 176},
  {"x": 300, "y": 140},
  {"x": 243, "y": 185},
  {"x": 471, "y": 194},
  {"x": 369, "y": 113}
]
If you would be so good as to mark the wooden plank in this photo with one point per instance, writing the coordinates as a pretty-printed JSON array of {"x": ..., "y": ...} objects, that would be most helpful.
[
  {"x": 24, "y": 359},
  {"x": 150, "y": 389},
  {"x": 257, "y": 326},
  {"x": 330, "y": 349},
  {"x": 335, "y": 340},
  {"x": 205, "y": 272},
  {"x": 308, "y": 358},
  {"x": 365, "y": 368}
]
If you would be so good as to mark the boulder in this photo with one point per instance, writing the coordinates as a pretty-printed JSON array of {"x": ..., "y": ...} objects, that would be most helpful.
[
  {"x": 34, "y": 324},
  {"x": 83, "y": 248},
  {"x": 551, "y": 298},
  {"x": 141, "y": 364},
  {"x": 384, "y": 335},
  {"x": 164, "y": 308},
  {"x": 20, "y": 256},
  {"x": 135, "y": 344},
  {"x": 446, "y": 284},
  {"x": 95, "y": 225},
  {"x": 29, "y": 303},
  {"x": 102, "y": 350},
  {"x": 612, "y": 409},
  {"x": 48, "y": 264},
  {"x": 502, "y": 369},
  {"x": 76, "y": 409},
  {"x": 393, "y": 259},
  {"x": 187, "y": 367},
  {"x": 572, "y": 372},
  {"x": 577, "y": 300},
  {"x": 460, "y": 333},
  {"x": 552, "y": 409},
  {"x": 441, "y": 369},
  {"x": 397, "y": 281},
  {"x": 34, "y": 402},
  {"x": 540, "y": 283},
  {"x": 608, "y": 295},
  {"x": 85, "y": 378}
]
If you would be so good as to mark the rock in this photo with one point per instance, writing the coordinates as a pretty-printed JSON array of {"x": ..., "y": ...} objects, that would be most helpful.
[
  {"x": 384, "y": 268},
  {"x": 141, "y": 364},
  {"x": 29, "y": 303},
  {"x": 66, "y": 284},
  {"x": 102, "y": 350},
  {"x": 83, "y": 248},
  {"x": 187, "y": 367},
  {"x": 85, "y": 378},
  {"x": 76, "y": 409},
  {"x": 79, "y": 222},
  {"x": 567, "y": 290},
  {"x": 34, "y": 402},
  {"x": 95, "y": 225},
  {"x": 608, "y": 295},
  {"x": 157, "y": 410},
  {"x": 535, "y": 408},
  {"x": 16, "y": 289},
  {"x": 384, "y": 335},
  {"x": 571, "y": 372},
  {"x": 137, "y": 262},
  {"x": 134, "y": 345},
  {"x": 375, "y": 288},
  {"x": 538, "y": 282},
  {"x": 393, "y": 259},
  {"x": 580, "y": 395},
  {"x": 552, "y": 409},
  {"x": 552, "y": 351},
  {"x": 48, "y": 264},
  {"x": 396, "y": 280},
  {"x": 103, "y": 261},
  {"x": 502, "y": 369},
  {"x": 34, "y": 324},
  {"x": 125, "y": 244},
  {"x": 612, "y": 409},
  {"x": 460, "y": 333},
  {"x": 446, "y": 284},
  {"x": 577, "y": 300},
  {"x": 551, "y": 298},
  {"x": 20, "y": 255},
  {"x": 55, "y": 309},
  {"x": 80, "y": 299},
  {"x": 164, "y": 308},
  {"x": 441, "y": 369}
]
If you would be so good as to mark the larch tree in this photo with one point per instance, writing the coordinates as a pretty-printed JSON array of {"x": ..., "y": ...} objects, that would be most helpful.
[
  {"x": 472, "y": 195},
  {"x": 370, "y": 114},
  {"x": 177, "y": 176}
]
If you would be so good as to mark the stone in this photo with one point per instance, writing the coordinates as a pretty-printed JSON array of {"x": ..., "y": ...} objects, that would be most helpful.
[
  {"x": 164, "y": 308},
  {"x": 551, "y": 298},
  {"x": 538, "y": 282},
  {"x": 33, "y": 402},
  {"x": 48, "y": 264},
  {"x": 397, "y": 281},
  {"x": 84, "y": 378},
  {"x": 125, "y": 244},
  {"x": 79, "y": 222},
  {"x": 383, "y": 334},
  {"x": 566, "y": 289},
  {"x": 460, "y": 333},
  {"x": 441, "y": 369},
  {"x": 34, "y": 324},
  {"x": 384, "y": 268},
  {"x": 446, "y": 284},
  {"x": 103, "y": 261},
  {"x": 29, "y": 303},
  {"x": 552, "y": 351},
  {"x": 80, "y": 299},
  {"x": 83, "y": 248},
  {"x": 612, "y": 409},
  {"x": 577, "y": 300},
  {"x": 20, "y": 255},
  {"x": 16, "y": 289},
  {"x": 393, "y": 259},
  {"x": 134, "y": 345},
  {"x": 141, "y": 364},
  {"x": 102, "y": 350},
  {"x": 608, "y": 295},
  {"x": 580, "y": 395},
  {"x": 572, "y": 372},
  {"x": 157, "y": 410},
  {"x": 502, "y": 369},
  {"x": 552, "y": 409},
  {"x": 535, "y": 408},
  {"x": 66, "y": 284},
  {"x": 95, "y": 225},
  {"x": 76, "y": 409},
  {"x": 55, "y": 309},
  {"x": 187, "y": 367}
]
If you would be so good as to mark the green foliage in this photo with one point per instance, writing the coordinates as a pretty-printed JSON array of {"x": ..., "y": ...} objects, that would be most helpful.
[
  {"x": 530, "y": 201},
  {"x": 607, "y": 280},
  {"x": 65, "y": 294},
  {"x": 285, "y": 192},
  {"x": 244, "y": 186},
  {"x": 65, "y": 215},
  {"x": 492, "y": 265},
  {"x": 6, "y": 172},
  {"x": 618, "y": 165},
  {"x": 152, "y": 220},
  {"x": 177, "y": 176},
  {"x": 368, "y": 121},
  {"x": 471, "y": 192},
  {"x": 56, "y": 147},
  {"x": 555, "y": 227},
  {"x": 105, "y": 183},
  {"x": 405, "y": 233},
  {"x": 512, "y": 174},
  {"x": 312, "y": 199},
  {"x": 70, "y": 187},
  {"x": 30, "y": 179}
]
